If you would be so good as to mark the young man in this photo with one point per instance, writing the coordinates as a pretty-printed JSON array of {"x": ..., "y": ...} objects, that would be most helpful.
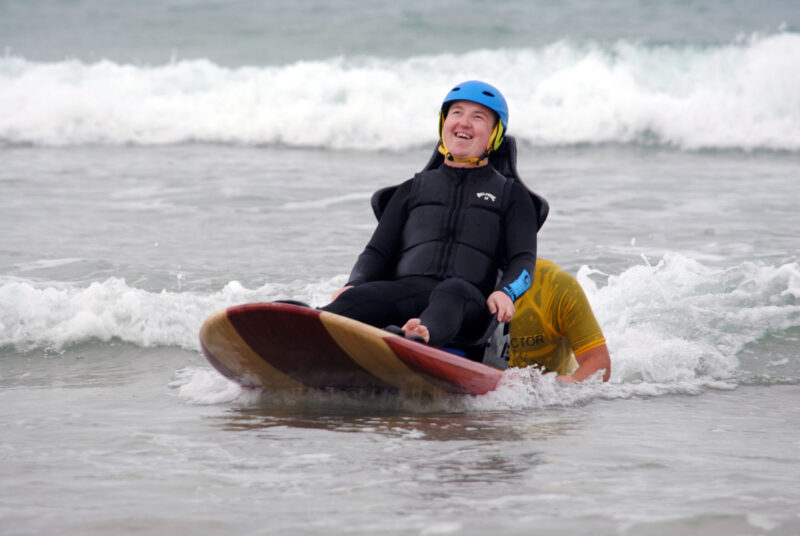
[
  {"x": 433, "y": 261},
  {"x": 554, "y": 328}
]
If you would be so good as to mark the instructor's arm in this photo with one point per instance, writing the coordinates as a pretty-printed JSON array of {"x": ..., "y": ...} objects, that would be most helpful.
[{"x": 588, "y": 363}]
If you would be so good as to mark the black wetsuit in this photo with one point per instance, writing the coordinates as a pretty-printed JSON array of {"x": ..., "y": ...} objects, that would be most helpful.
[{"x": 438, "y": 249}]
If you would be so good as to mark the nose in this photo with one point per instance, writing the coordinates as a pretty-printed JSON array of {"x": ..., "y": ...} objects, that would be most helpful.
[{"x": 465, "y": 120}]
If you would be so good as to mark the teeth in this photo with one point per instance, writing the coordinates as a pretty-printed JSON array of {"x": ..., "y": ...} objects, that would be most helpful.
[{"x": 462, "y": 135}]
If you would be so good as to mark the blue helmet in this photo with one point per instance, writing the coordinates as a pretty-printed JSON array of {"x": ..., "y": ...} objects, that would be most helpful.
[{"x": 482, "y": 93}]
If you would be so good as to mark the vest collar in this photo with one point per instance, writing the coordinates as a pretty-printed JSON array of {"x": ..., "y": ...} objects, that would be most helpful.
[{"x": 461, "y": 173}]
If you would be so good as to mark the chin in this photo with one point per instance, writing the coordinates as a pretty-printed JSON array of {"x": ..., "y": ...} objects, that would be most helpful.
[{"x": 464, "y": 154}]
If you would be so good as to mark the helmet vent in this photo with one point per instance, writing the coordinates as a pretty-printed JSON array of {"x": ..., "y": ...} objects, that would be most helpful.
[{"x": 487, "y": 93}]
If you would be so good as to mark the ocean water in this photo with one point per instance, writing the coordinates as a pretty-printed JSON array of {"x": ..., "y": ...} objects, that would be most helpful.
[{"x": 162, "y": 160}]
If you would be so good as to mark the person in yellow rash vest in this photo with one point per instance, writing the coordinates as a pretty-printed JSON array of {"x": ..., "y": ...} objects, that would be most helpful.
[{"x": 554, "y": 328}]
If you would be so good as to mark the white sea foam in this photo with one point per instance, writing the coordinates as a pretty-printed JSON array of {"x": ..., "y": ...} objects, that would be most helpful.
[
  {"x": 675, "y": 325},
  {"x": 205, "y": 386},
  {"x": 744, "y": 95},
  {"x": 53, "y": 316}
]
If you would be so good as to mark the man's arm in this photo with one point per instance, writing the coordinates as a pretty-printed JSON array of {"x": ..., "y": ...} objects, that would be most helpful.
[
  {"x": 378, "y": 259},
  {"x": 521, "y": 222},
  {"x": 375, "y": 262},
  {"x": 590, "y": 362},
  {"x": 582, "y": 331}
]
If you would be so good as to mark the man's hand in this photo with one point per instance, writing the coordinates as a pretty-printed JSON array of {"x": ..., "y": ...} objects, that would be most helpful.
[
  {"x": 500, "y": 303},
  {"x": 566, "y": 379},
  {"x": 339, "y": 292}
]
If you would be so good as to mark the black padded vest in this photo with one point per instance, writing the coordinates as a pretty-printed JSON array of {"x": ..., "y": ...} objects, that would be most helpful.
[{"x": 455, "y": 225}]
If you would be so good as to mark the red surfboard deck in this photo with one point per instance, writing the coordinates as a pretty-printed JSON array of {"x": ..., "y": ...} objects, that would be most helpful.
[{"x": 285, "y": 346}]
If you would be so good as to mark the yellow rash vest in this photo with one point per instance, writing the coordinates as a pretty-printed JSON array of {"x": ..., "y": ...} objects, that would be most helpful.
[{"x": 553, "y": 322}]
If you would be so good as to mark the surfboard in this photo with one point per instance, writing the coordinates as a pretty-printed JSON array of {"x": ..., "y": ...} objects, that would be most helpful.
[{"x": 278, "y": 346}]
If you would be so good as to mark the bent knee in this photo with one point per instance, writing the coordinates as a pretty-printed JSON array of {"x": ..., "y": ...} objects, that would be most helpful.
[{"x": 457, "y": 285}]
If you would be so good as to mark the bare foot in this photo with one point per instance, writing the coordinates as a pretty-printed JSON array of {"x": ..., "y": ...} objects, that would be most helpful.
[{"x": 413, "y": 327}]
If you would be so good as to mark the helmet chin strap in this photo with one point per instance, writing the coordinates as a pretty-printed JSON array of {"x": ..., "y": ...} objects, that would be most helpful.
[{"x": 491, "y": 146}]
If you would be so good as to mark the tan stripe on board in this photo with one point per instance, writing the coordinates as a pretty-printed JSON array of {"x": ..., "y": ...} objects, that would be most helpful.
[
  {"x": 227, "y": 346},
  {"x": 365, "y": 345}
]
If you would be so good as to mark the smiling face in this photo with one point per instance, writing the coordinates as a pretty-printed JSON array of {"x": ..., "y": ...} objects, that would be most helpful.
[{"x": 466, "y": 131}]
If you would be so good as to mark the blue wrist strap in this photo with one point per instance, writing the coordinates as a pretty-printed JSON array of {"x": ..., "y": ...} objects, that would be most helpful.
[{"x": 519, "y": 286}]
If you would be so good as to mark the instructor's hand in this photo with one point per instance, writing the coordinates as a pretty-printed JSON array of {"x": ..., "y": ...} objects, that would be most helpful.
[{"x": 500, "y": 303}]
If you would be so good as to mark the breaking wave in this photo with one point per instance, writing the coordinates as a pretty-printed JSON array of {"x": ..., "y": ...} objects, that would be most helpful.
[{"x": 742, "y": 96}]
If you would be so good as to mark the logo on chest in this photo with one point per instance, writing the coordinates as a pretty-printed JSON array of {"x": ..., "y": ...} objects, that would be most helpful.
[{"x": 486, "y": 196}]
